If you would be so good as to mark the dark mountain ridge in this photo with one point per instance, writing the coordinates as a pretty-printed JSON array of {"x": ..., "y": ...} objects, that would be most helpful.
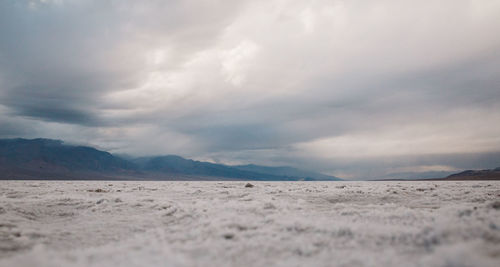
[
  {"x": 54, "y": 152},
  {"x": 467, "y": 175},
  {"x": 53, "y": 159},
  {"x": 493, "y": 174}
]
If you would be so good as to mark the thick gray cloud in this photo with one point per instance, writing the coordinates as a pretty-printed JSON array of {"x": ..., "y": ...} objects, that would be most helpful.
[{"x": 354, "y": 88}]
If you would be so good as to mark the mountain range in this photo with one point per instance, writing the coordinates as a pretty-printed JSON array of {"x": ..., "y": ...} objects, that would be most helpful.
[
  {"x": 53, "y": 159},
  {"x": 487, "y": 174},
  {"x": 492, "y": 174}
]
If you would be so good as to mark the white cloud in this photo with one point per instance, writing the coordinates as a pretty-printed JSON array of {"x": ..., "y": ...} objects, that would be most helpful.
[
  {"x": 236, "y": 60},
  {"x": 331, "y": 80}
]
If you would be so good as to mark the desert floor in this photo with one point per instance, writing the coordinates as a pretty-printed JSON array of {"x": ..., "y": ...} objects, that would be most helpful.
[{"x": 100, "y": 223}]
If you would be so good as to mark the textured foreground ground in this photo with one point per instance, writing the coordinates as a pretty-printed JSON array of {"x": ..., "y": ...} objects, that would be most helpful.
[{"x": 50, "y": 223}]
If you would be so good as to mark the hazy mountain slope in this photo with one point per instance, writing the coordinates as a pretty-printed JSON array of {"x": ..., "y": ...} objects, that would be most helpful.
[
  {"x": 178, "y": 165},
  {"x": 415, "y": 175},
  {"x": 287, "y": 171}
]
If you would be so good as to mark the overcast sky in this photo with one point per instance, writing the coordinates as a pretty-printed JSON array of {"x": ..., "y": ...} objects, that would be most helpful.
[{"x": 357, "y": 89}]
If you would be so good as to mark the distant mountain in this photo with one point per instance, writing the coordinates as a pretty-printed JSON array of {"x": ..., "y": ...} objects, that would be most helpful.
[
  {"x": 493, "y": 174},
  {"x": 178, "y": 165},
  {"x": 41, "y": 158},
  {"x": 55, "y": 152},
  {"x": 288, "y": 172},
  {"x": 172, "y": 164},
  {"x": 52, "y": 159},
  {"x": 415, "y": 175}
]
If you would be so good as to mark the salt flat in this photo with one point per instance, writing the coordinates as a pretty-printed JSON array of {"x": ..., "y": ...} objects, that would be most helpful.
[{"x": 99, "y": 223}]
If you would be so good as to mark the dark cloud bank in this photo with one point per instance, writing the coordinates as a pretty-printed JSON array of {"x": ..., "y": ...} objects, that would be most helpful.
[{"x": 353, "y": 89}]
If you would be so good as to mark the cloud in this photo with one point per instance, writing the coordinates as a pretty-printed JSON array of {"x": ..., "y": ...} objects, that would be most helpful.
[{"x": 341, "y": 86}]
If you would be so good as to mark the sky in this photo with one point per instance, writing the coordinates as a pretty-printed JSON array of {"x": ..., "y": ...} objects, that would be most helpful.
[{"x": 357, "y": 89}]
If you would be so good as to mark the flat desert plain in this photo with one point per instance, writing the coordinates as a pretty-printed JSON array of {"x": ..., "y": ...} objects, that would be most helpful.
[{"x": 101, "y": 223}]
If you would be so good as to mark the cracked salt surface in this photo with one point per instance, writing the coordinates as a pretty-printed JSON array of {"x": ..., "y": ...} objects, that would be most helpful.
[{"x": 98, "y": 223}]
